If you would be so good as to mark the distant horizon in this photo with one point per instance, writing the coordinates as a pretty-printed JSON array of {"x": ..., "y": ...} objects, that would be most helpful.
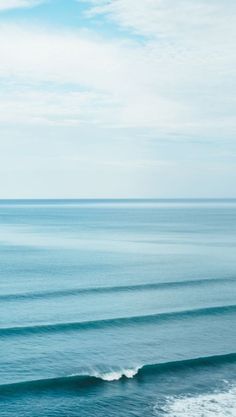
[{"x": 123, "y": 199}]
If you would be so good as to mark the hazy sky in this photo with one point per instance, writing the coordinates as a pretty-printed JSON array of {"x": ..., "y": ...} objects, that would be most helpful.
[{"x": 117, "y": 98}]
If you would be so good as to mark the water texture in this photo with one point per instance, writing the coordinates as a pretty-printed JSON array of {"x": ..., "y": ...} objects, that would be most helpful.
[{"x": 118, "y": 308}]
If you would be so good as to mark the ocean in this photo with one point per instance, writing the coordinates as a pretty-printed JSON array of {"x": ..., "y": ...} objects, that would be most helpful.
[{"x": 118, "y": 308}]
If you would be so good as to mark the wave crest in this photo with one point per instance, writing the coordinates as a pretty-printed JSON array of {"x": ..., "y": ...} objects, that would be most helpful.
[
  {"x": 117, "y": 321},
  {"x": 116, "y": 375}
]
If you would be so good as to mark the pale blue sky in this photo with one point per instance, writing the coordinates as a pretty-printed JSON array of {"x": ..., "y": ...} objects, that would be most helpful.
[{"x": 117, "y": 98}]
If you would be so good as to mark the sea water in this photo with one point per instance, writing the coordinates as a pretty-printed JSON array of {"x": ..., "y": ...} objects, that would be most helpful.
[{"x": 118, "y": 308}]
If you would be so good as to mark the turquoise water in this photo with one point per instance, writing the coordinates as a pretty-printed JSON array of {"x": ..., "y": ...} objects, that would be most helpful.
[{"x": 118, "y": 308}]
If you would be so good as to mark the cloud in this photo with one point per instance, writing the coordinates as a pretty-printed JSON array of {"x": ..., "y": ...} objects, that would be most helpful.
[
  {"x": 189, "y": 49},
  {"x": 178, "y": 79},
  {"x": 17, "y": 4},
  {"x": 36, "y": 106},
  {"x": 113, "y": 74},
  {"x": 165, "y": 17},
  {"x": 90, "y": 113}
]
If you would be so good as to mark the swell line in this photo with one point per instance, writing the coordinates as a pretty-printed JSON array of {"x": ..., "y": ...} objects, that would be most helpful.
[
  {"x": 189, "y": 363},
  {"x": 110, "y": 289},
  {"x": 83, "y": 381},
  {"x": 115, "y": 322}
]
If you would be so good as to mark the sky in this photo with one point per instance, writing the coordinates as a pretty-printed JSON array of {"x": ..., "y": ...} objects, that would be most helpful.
[{"x": 117, "y": 98}]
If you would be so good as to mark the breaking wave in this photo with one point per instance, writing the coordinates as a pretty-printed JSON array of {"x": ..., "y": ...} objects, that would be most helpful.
[
  {"x": 81, "y": 381},
  {"x": 116, "y": 375}
]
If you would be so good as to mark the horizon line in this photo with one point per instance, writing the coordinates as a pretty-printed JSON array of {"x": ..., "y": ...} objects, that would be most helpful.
[{"x": 116, "y": 198}]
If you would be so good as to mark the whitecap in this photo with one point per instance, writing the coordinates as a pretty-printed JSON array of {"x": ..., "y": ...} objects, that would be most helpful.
[
  {"x": 217, "y": 404},
  {"x": 116, "y": 375}
]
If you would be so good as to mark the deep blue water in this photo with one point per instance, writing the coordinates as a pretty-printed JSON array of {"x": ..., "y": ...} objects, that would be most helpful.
[{"x": 118, "y": 308}]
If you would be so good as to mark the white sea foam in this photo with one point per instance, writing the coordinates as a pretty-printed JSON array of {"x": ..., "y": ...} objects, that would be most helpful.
[
  {"x": 217, "y": 404},
  {"x": 116, "y": 375}
]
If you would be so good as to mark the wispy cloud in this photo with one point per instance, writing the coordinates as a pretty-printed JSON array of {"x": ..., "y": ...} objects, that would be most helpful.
[
  {"x": 40, "y": 107},
  {"x": 181, "y": 87},
  {"x": 16, "y": 4},
  {"x": 165, "y": 17},
  {"x": 114, "y": 74}
]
